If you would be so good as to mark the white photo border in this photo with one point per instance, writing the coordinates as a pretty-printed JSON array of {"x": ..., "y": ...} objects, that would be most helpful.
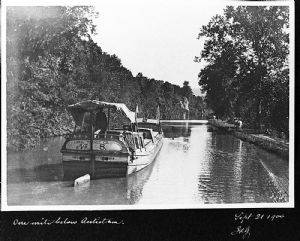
[{"x": 6, "y": 207}]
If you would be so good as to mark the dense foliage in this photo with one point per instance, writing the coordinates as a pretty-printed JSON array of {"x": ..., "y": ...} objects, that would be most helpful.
[
  {"x": 246, "y": 74},
  {"x": 52, "y": 62}
]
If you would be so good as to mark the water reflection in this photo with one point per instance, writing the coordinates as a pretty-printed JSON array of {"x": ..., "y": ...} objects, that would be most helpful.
[
  {"x": 195, "y": 166},
  {"x": 43, "y": 173},
  {"x": 177, "y": 131},
  {"x": 103, "y": 191}
]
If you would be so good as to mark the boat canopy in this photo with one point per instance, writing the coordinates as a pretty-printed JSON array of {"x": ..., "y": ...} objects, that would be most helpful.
[{"x": 77, "y": 110}]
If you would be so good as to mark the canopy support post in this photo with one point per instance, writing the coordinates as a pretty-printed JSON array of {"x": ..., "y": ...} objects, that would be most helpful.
[
  {"x": 108, "y": 118},
  {"x": 92, "y": 152}
]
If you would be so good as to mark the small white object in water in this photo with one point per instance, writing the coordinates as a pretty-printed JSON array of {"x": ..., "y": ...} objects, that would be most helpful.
[
  {"x": 45, "y": 148},
  {"x": 82, "y": 179}
]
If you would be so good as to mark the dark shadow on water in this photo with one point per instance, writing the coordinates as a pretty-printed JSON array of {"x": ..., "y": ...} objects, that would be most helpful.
[{"x": 43, "y": 173}]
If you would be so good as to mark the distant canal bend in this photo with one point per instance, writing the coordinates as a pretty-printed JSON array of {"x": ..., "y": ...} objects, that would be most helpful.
[{"x": 195, "y": 166}]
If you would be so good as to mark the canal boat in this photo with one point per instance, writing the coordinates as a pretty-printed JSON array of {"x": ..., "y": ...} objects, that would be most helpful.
[{"x": 99, "y": 150}]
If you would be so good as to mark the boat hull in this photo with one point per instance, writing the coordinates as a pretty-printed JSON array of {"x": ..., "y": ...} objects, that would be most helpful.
[
  {"x": 75, "y": 166},
  {"x": 144, "y": 160}
]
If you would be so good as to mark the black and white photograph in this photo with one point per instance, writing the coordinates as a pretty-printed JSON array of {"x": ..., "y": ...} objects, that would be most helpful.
[{"x": 128, "y": 105}]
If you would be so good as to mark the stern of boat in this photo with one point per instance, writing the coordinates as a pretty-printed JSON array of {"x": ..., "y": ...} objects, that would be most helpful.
[{"x": 108, "y": 157}]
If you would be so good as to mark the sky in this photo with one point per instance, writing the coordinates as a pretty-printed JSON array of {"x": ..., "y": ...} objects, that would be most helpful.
[{"x": 156, "y": 38}]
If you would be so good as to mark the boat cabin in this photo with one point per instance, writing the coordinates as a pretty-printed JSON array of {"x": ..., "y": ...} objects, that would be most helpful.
[
  {"x": 96, "y": 148},
  {"x": 92, "y": 123}
]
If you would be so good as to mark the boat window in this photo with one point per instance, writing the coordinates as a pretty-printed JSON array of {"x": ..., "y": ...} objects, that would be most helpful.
[
  {"x": 147, "y": 134},
  {"x": 142, "y": 141},
  {"x": 137, "y": 142}
]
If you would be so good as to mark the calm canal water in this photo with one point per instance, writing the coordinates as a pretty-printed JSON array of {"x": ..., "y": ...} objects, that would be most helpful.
[{"x": 195, "y": 166}]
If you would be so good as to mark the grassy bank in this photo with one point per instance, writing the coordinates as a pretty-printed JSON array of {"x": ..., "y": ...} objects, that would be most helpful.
[{"x": 278, "y": 146}]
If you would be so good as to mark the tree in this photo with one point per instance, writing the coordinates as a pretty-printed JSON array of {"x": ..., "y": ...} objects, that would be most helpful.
[
  {"x": 246, "y": 56},
  {"x": 187, "y": 90},
  {"x": 52, "y": 62},
  {"x": 45, "y": 64}
]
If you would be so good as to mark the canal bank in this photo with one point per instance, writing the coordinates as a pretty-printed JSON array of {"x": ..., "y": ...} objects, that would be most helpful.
[{"x": 278, "y": 146}]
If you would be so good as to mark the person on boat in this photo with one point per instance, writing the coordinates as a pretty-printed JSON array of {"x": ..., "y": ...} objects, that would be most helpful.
[
  {"x": 239, "y": 124},
  {"x": 101, "y": 121}
]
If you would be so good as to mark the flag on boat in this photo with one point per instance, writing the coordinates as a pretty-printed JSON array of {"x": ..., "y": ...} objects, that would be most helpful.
[
  {"x": 137, "y": 109},
  {"x": 136, "y": 112},
  {"x": 158, "y": 113}
]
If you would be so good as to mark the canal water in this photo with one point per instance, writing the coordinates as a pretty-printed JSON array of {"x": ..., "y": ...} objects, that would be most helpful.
[{"x": 196, "y": 165}]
